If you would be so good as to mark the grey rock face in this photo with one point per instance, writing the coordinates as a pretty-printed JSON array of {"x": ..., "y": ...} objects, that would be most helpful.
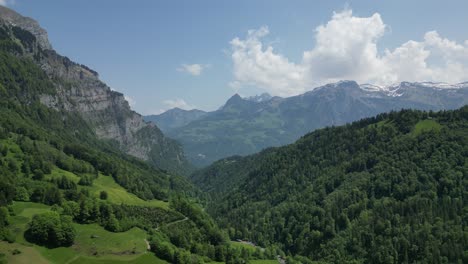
[
  {"x": 79, "y": 90},
  {"x": 11, "y": 17}
]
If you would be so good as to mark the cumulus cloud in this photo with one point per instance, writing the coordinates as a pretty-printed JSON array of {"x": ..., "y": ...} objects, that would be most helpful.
[
  {"x": 179, "y": 103},
  {"x": 192, "y": 69},
  {"x": 170, "y": 104},
  {"x": 130, "y": 101},
  {"x": 346, "y": 48},
  {"x": 258, "y": 66}
]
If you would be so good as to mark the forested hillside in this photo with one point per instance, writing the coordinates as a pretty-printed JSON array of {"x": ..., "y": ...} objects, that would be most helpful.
[
  {"x": 388, "y": 189},
  {"x": 68, "y": 196}
]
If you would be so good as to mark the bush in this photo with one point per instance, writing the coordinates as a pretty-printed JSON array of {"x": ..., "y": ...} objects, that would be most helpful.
[
  {"x": 9, "y": 237},
  {"x": 103, "y": 195}
]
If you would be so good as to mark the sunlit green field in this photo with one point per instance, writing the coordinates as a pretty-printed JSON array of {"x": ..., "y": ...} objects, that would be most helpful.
[
  {"x": 116, "y": 193},
  {"x": 240, "y": 245},
  {"x": 426, "y": 125},
  {"x": 93, "y": 244}
]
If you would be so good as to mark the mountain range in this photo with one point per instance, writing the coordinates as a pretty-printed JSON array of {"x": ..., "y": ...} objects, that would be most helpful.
[
  {"x": 175, "y": 118},
  {"x": 86, "y": 180},
  {"x": 247, "y": 125}
]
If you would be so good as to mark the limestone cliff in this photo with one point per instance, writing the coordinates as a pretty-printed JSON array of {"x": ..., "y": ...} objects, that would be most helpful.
[{"x": 108, "y": 113}]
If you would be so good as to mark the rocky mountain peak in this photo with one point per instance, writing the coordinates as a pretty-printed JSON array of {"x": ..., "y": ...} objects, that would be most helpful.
[
  {"x": 235, "y": 99},
  {"x": 9, "y": 16}
]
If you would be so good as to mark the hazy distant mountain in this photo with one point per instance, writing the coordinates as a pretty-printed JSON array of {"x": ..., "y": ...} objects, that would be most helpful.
[
  {"x": 244, "y": 126},
  {"x": 175, "y": 118},
  {"x": 260, "y": 98}
]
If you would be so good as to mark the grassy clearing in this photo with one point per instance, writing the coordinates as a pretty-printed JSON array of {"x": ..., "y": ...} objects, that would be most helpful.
[
  {"x": 426, "y": 125},
  {"x": 240, "y": 245},
  {"x": 28, "y": 209},
  {"x": 57, "y": 255},
  {"x": 58, "y": 173},
  {"x": 93, "y": 244},
  {"x": 94, "y": 240},
  {"x": 24, "y": 211},
  {"x": 118, "y": 195},
  {"x": 27, "y": 254}
]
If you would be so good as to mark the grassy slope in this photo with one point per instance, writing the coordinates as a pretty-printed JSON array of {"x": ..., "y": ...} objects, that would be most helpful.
[
  {"x": 105, "y": 247},
  {"x": 116, "y": 193},
  {"x": 119, "y": 195},
  {"x": 426, "y": 125},
  {"x": 25, "y": 257},
  {"x": 240, "y": 245}
]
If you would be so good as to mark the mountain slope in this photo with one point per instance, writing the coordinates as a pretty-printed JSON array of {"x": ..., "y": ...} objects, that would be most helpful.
[
  {"x": 79, "y": 90},
  {"x": 73, "y": 193},
  {"x": 387, "y": 189},
  {"x": 245, "y": 126},
  {"x": 174, "y": 118}
]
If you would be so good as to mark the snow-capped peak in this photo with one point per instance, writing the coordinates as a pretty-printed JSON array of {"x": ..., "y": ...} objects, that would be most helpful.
[
  {"x": 259, "y": 98},
  {"x": 443, "y": 85},
  {"x": 396, "y": 90},
  {"x": 371, "y": 87}
]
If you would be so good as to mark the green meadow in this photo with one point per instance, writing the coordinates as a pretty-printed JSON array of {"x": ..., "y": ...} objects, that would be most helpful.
[{"x": 93, "y": 244}]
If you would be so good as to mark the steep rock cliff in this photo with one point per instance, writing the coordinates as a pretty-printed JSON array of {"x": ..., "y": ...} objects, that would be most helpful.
[{"x": 80, "y": 90}]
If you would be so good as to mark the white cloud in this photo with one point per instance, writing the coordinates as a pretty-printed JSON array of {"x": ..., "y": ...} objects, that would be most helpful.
[
  {"x": 179, "y": 103},
  {"x": 173, "y": 103},
  {"x": 346, "y": 49},
  {"x": 193, "y": 69},
  {"x": 130, "y": 101},
  {"x": 170, "y": 104},
  {"x": 258, "y": 66}
]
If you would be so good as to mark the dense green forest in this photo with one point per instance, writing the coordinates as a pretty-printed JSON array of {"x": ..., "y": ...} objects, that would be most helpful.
[
  {"x": 52, "y": 157},
  {"x": 388, "y": 189}
]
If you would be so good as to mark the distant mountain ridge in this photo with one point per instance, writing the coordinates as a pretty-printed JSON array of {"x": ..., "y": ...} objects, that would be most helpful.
[
  {"x": 244, "y": 126},
  {"x": 174, "y": 118}
]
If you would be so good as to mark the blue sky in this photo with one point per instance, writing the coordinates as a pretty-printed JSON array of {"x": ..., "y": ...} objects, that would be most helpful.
[{"x": 162, "y": 54}]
